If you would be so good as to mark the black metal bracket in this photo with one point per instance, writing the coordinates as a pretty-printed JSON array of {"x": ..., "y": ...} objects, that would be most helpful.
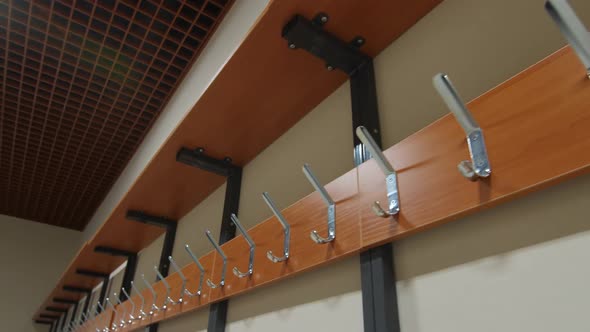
[
  {"x": 380, "y": 310},
  {"x": 113, "y": 251},
  {"x": 43, "y": 322},
  {"x": 63, "y": 301},
  {"x": 166, "y": 223},
  {"x": 128, "y": 275},
  {"x": 48, "y": 316},
  {"x": 198, "y": 159},
  {"x": 149, "y": 219},
  {"x": 170, "y": 225},
  {"x": 75, "y": 289},
  {"x": 233, "y": 174},
  {"x": 92, "y": 274},
  {"x": 310, "y": 36},
  {"x": 55, "y": 309}
]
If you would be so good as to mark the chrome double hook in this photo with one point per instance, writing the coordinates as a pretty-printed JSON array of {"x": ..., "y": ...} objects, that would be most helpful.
[
  {"x": 286, "y": 228},
  {"x": 110, "y": 304},
  {"x": 154, "y": 307},
  {"x": 168, "y": 289},
  {"x": 201, "y": 268},
  {"x": 572, "y": 28},
  {"x": 390, "y": 175},
  {"x": 252, "y": 246},
  {"x": 182, "y": 277},
  {"x": 479, "y": 166},
  {"x": 331, "y": 208},
  {"x": 223, "y": 256},
  {"x": 123, "y": 322},
  {"x": 142, "y": 314},
  {"x": 131, "y": 314}
]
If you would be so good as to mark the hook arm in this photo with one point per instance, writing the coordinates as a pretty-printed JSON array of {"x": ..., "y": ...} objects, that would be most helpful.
[
  {"x": 331, "y": 208},
  {"x": 182, "y": 277},
  {"x": 201, "y": 268},
  {"x": 222, "y": 254},
  {"x": 236, "y": 271},
  {"x": 286, "y": 228}
]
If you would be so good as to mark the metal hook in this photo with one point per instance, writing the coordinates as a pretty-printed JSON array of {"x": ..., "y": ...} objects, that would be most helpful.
[
  {"x": 182, "y": 277},
  {"x": 154, "y": 307},
  {"x": 101, "y": 311},
  {"x": 201, "y": 268},
  {"x": 390, "y": 176},
  {"x": 142, "y": 314},
  {"x": 168, "y": 298},
  {"x": 222, "y": 254},
  {"x": 131, "y": 316},
  {"x": 331, "y": 208},
  {"x": 123, "y": 321},
  {"x": 101, "y": 307},
  {"x": 286, "y": 227},
  {"x": 237, "y": 272},
  {"x": 479, "y": 166},
  {"x": 96, "y": 313},
  {"x": 114, "y": 325},
  {"x": 572, "y": 28}
]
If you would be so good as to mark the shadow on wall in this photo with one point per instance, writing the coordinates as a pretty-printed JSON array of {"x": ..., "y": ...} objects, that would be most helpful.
[
  {"x": 544, "y": 216},
  {"x": 326, "y": 284}
]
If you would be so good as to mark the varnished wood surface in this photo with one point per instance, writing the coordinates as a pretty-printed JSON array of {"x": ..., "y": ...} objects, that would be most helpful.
[
  {"x": 104, "y": 319},
  {"x": 548, "y": 103},
  {"x": 537, "y": 132},
  {"x": 263, "y": 90}
]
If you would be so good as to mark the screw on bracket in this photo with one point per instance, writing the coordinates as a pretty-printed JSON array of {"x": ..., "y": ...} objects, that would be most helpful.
[
  {"x": 358, "y": 41},
  {"x": 321, "y": 19}
]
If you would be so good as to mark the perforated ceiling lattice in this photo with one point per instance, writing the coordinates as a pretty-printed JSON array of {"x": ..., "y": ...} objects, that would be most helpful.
[{"x": 81, "y": 84}]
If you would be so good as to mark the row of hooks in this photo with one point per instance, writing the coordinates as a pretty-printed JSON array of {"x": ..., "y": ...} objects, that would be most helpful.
[{"x": 477, "y": 167}]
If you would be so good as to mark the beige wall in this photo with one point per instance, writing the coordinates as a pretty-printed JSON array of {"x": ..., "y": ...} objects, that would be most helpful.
[
  {"x": 34, "y": 256},
  {"x": 519, "y": 267}
]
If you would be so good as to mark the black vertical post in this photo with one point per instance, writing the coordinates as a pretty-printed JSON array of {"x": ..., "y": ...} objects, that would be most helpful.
[
  {"x": 377, "y": 268},
  {"x": 103, "y": 292},
  {"x": 233, "y": 174},
  {"x": 87, "y": 303},
  {"x": 380, "y": 311},
  {"x": 218, "y": 311},
  {"x": 74, "y": 289},
  {"x": 63, "y": 320},
  {"x": 92, "y": 274},
  {"x": 164, "y": 266},
  {"x": 129, "y": 273},
  {"x": 74, "y": 311},
  {"x": 169, "y": 238}
]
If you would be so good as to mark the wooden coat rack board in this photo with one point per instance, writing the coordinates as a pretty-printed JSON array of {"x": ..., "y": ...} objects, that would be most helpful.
[{"x": 545, "y": 108}]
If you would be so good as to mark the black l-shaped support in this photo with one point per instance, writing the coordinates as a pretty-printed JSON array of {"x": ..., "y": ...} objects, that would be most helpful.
[
  {"x": 170, "y": 226},
  {"x": 380, "y": 310},
  {"x": 128, "y": 275},
  {"x": 92, "y": 274},
  {"x": 233, "y": 173},
  {"x": 74, "y": 289}
]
